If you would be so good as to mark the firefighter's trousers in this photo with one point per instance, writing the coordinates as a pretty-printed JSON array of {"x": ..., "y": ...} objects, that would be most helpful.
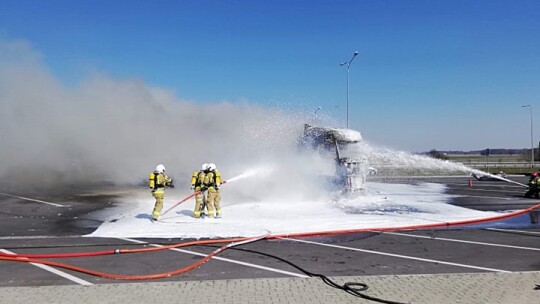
[
  {"x": 200, "y": 203},
  {"x": 158, "y": 194},
  {"x": 213, "y": 201}
]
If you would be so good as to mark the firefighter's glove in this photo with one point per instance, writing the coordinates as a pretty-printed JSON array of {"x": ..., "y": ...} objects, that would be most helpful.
[
  {"x": 192, "y": 187},
  {"x": 171, "y": 185}
]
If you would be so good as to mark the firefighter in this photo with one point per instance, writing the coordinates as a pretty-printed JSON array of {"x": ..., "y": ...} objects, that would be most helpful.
[
  {"x": 198, "y": 185},
  {"x": 158, "y": 180},
  {"x": 534, "y": 186},
  {"x": 213, "y": 182}
]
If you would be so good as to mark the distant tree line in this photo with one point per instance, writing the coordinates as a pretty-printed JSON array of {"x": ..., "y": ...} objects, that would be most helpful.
[{"x": 437, "y": 154}]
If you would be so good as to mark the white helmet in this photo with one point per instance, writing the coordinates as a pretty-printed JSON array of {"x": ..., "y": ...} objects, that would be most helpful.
[
  {"x": 204, "y": 166},
  {"x": 212, "y": 167},
  {"x": 160, "y": 168}
]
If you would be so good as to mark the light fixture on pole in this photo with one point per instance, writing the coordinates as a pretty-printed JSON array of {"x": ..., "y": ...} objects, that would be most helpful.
[
  {"x": 532, "y": 145},
  {"x": 348, "y": 64}
]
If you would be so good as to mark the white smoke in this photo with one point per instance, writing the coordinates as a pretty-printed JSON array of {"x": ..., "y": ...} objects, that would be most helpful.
[
  {"x": 108, "y": 130},
  {"x": 115, "y": 131}
]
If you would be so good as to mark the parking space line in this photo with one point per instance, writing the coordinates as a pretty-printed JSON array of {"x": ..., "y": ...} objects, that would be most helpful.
[
  {"x": 56, "y": 271},
  {"x": 223, "y": 259},
  {"x": 35, "y": 200},
  {"x": 400, "y": 256},
  {"x": 534, "y": 233},
  {"x": 461, "y": 241}
]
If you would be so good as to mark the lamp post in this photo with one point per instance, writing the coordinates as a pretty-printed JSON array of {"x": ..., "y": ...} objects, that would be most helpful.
[
  {"x": 532, "y": 146},
  {"x": 348, "y": 64}
]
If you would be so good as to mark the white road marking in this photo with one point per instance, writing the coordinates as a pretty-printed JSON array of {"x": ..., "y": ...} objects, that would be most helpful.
[
  {"x": 461, "y": 241},
  {"x": 399, "y": 256},
  {"x": 35, "y": 200},
  {"x": 56, "y": 271},
  {"x": 224, "y": 259},
  {"x": 512, "y": 230}
]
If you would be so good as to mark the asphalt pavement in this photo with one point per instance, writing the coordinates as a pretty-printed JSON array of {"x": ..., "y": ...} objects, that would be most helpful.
[{"x": 488, "y": 265}]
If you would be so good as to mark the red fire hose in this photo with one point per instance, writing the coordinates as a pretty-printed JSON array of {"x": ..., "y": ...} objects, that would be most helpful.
[
  {"x": 29, "y": 258},
  {"x": 185, "y": 199}
]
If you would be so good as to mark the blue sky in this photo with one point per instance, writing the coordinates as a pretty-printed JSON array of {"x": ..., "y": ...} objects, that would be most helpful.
[{"x": 449, "y": 75}]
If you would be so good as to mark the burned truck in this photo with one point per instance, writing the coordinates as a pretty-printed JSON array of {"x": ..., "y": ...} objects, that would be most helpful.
[{"x": 344, "y": 146}]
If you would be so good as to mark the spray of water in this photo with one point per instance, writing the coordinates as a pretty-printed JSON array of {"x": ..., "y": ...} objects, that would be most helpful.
[
  {"x": 261, "y": 171},
  {"x": 398, "y": 163},
  {"x": 497, "y": 177}
]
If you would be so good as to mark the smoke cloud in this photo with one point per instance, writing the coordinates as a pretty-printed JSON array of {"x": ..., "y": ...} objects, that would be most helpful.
[{"x": 115, "y": 131}]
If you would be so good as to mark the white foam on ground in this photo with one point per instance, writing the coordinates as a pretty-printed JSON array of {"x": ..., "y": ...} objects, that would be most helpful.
[{"x": 384, "y": 205}]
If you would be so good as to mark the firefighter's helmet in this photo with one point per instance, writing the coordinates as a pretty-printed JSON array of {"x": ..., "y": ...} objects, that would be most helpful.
[{"x": 160, "y": 168}]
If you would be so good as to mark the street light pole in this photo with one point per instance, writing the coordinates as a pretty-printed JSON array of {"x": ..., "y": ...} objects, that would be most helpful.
[
  {"x": 532, "y": 145},
  {"x": 348, "y": 66}
]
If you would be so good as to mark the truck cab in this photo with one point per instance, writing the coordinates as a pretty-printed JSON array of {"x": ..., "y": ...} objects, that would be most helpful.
[{"x": 344, "y": 146}]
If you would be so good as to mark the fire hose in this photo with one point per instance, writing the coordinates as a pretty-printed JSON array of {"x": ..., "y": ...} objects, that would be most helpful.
[
  {"x": 37, "y": 258},
  {"x": 186, "y": 198}
]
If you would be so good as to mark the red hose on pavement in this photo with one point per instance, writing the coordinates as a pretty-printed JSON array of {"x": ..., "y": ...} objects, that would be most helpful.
[
  {"x": 238, "y": 241},
  {"x": 118, "y": 251}
]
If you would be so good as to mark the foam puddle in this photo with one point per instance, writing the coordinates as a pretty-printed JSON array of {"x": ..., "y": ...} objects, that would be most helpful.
[{"x": 385, "y": 205}]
